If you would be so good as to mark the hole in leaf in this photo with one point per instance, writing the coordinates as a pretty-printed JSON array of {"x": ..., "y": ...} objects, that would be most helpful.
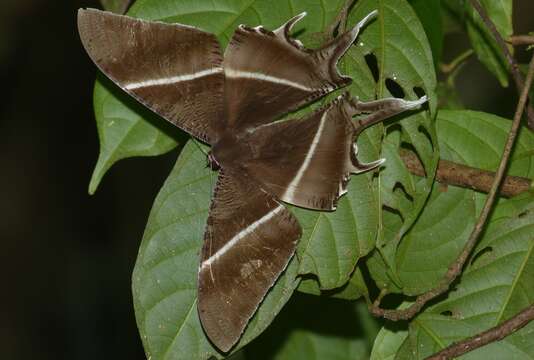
[
  {"x": 446, "y": 313},
  {"x": 419, "y": 91},
  {"x": 400, "y": 187},
  {"x": 395, "y": 89},
  {"x": 425, "y": 132},
  {"x": 372, "y": 64},
  {"x": 412, "y": 160},
  {"x": 393, "y": 128},
  {"x": 393, "y": 211},
  {"x": 523, "y": 214},
  {"x": 481, "y": 255}
]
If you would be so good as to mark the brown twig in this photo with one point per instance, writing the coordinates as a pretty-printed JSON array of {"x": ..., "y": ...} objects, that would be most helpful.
[
  {"x": 456, "y": 267},
  {"x": 518, "y": 40},
  {"x": 514, "y": 67},
  {"x": 496, "y": 333},
  {"x": 451, "y": 173}
]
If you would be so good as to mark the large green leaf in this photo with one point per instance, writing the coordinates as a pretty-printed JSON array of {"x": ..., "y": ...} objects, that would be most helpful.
[
  {"x": 442, "y": 229},
  {"x": 484, "y": 44},
  {"x": 124, "y": 130},
  {"x": 165, "y": 274}
]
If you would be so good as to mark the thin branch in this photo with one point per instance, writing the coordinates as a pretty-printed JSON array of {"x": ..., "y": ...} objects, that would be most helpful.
[
  {"x": 451, "y": 173},
  {"x": 454, "y": 64},
  {"x": 494, "y": 334},
  {"x": 518, "y": 40},
  {"x": 514, "y": 67},
  {"x": 456, "y": 267}
]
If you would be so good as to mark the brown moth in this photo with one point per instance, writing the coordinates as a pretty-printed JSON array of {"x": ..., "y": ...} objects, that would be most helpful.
[{"x": 231, "y": 102}]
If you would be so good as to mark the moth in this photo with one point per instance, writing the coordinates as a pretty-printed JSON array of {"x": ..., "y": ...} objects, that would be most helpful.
[{"x": 233, "y": 101}]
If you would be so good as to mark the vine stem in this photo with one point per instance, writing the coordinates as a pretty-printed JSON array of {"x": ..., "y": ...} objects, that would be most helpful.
[
  {"x": 456, "y": 267},
  {"x": 514, "y": 67}
]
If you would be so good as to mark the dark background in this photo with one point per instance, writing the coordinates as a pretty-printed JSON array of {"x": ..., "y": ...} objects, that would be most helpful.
[{"x": 66, "y": 257}]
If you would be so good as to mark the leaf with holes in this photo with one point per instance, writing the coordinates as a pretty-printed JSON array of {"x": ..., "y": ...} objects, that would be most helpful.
[
  {"x": 333, "y": 242},
  {"x": 484, "y": 44},
  {"x": 393, "y": 55}
]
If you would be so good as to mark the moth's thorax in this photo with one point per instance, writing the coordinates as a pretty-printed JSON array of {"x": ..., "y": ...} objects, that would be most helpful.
[{"x": 229, "y": 149}]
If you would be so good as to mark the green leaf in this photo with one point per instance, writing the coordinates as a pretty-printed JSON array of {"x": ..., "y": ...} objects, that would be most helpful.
[
  {"x": 165, "y": 273},
  {"x": 429, "y": 13},
  {"x": 443, "y": 229},
  {"x": 484, "y": 44},
  {"x": 297, "y": 335},
  {"x": 116, "y": 6},
  {"x": 495, "y": 286},
  {"x": 126, "y": 129}
]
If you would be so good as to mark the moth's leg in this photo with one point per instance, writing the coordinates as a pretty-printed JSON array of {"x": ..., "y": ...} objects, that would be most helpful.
[{"x": 378, "y": 110}]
